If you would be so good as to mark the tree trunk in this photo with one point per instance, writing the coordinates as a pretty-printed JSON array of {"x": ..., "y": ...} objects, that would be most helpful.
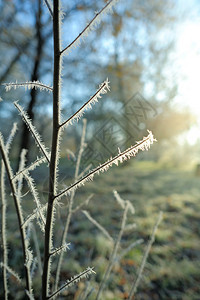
[{"x": 26, "y": 136}]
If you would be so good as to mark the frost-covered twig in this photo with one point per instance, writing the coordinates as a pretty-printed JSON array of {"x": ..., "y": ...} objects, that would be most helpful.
[
  {"x": 114, "y": 252},
  {"x": 29, "y": 168},
  {"x": 71, "y": 201},
  {"x": 28, "y": 85},
  {"x": 21, "y": 166},
  {"x": 72, "y": 281},
  {"x": 11, "y": 136},
  {"x": 3, "y": 214},
  {"x": 3, "y": 228},
  {"x": 99, "y": 226},
  {"x": 122, "y": 156},
  {"x": 19, "y": 213},
  {"x": 34, "y": 214},
  {"x": 37, "y": 248},
  {"x": 41, "y": 220},
  {"x": 62, "y": 248},
  {"x": 103, "y": 89},
  {"x": 84, "y": 171},
  {"x": 145, "y": 256},
  {"x": 12, "y": 272},
  {"x": 129, "y": 248},
  {"x": 86, "y": 202},
  {"x": 33, "y": 131},
  {"x": 90, "y": 26}
]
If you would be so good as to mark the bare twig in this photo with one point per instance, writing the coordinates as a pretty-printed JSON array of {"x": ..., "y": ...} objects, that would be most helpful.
[{"x": 49, "y": 6}]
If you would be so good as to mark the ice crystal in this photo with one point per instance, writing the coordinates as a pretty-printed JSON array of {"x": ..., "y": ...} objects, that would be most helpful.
[{"x": 28, "y": 85}]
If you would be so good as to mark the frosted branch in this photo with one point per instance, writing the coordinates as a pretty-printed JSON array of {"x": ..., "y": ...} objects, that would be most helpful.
[
  {"x": 120, "y": 201},
  {"x": 18, "y": 211},
  {"x": 114, "y": 252},
  {"x": 33, "y": 131},
  {"x": 60, "y": 249},
  {"x": 28, "y": 85},
  {"x": 86, "y": 202},
  {"x": 12, "y": 272},
  {"x": 101, "y": 228},
  {"x": 30, "y": 295},
  {"x": 84, "y": 171},
  {"x": 129, "y": 248},
  {"x": 11, "y": 136},
  {"x": 35, "y": 214},
  {"x": 34, "y": 192},
  {"x": 130, "y": 227},
  {"x": 4, "y": 211},
  {"x": 103, "y": 89},
  {"x": 121, "y": 157},
  {"x": 90, "y": 26},
  {"x": 21, "y": 167},
  {"x": 73, "y": 280},
  {"x": 145, "y": 256},
  {"x": 31, "y": 167}
]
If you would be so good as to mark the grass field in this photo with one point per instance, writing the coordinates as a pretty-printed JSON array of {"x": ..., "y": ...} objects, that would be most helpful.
[{"x": 173, "y": 267}]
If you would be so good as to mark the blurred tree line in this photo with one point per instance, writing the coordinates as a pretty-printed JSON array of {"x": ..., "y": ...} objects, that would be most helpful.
[{"x": 132, "y": 47}]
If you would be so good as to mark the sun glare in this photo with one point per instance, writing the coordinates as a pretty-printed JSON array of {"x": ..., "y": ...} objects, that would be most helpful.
[{"x": 188, "y": 66}]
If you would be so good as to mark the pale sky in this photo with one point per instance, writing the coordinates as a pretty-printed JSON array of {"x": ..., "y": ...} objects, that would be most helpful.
[{"x": 188, "y": 65}]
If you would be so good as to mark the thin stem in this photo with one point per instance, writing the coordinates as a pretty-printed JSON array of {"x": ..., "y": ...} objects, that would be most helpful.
[
  {"x": 114, "y": 252},
  {"x": 80, "y": 111},
  {"x": 84, "y": 203},
  {"x": 3, "y": 228},
  {"x": 73, "y": 280},
  {"x": 145, "y": 256},
  {"x": 90, "y": 24},
  {"x": 98, "y": 225},
  {"x": 37, "y": 249},
  {"x": 33, "y": 131},
  {"x": 49, "y": 7},
  {"x": 144, "y": 144},
  {"x": 54, "y": 151},
  {"x": 71, "y": 201},
  {"x": 29, "y": 85},
  {"x": 31, "y": 167},
  {"x": 19, "y": 216}
]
